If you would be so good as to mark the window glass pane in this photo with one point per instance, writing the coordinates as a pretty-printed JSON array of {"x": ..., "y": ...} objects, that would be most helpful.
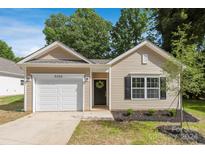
[
  {"x": 21, "y": 82},
  {"x": 138, "y": 93},
  {"x": 152, "y": 93},
  {"x": 152, "y": 82},
  {"x": 138, "y": 82}
]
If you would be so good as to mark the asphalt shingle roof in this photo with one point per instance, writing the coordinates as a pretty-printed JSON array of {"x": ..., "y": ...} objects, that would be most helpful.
[
  {"x": 61, "y": 61},
  {"x": 8, "y": 66},
  {"x": 100, "y": 61},
  {"x": 67, "y": 61}
]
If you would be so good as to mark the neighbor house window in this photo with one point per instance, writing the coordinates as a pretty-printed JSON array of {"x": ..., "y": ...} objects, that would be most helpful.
[
  {"x": 145, "y": 87},
  {"x": 21, "y": 82}
]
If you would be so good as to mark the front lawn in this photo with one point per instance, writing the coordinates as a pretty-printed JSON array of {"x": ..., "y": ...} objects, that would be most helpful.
[
  {"x": 11, "y": 108},
  {"x": 134, "y": 132}
]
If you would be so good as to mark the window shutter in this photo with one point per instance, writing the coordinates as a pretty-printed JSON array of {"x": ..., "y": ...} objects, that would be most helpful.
[
  {"x": 127, "y": 87},
  {"x": 163, "y": 89}
]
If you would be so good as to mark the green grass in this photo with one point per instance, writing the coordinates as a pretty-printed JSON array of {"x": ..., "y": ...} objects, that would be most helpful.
[
  {"x": 11, "y": 108},
  {"x": 195, "y": 107},
  {"x": 135, "y": 132},
  {"x": 109, "y": 132},
  {"x": 12, "y": 103}
]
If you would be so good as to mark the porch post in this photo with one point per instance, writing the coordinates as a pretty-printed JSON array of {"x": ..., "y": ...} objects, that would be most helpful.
[
  {"x": 110, "y": 88},
  {"x": 91, "y": 89},
  {"x": 25, "y": 89}
]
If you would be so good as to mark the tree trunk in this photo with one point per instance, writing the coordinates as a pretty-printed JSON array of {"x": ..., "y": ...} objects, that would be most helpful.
[{"x": 181, "y": 111}]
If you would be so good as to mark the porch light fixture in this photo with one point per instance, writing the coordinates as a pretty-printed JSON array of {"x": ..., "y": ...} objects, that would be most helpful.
[
  {"x": 86, "y": 78},
  {"x": 28, "y": 78}
]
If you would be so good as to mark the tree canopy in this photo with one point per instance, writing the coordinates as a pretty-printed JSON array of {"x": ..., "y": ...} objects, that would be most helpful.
[
  {"x": 6, "y": 51},
  {"x": 129, "y": 30},
  {"x": 191, "y": 69},
  {"x": 85, "y": 31},
  {"x": 167, "y": 21}
]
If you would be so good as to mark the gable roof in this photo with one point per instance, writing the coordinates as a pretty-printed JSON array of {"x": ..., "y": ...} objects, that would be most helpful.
[
  {"x": 9, "y": 67},
  {"x": 147, "y": 43},
  {"x": 53, "y": 61},
  {"x": 100, "y": 61},
  {"x": 31, "y": 58},
  {"x": 47, "y": 49}
]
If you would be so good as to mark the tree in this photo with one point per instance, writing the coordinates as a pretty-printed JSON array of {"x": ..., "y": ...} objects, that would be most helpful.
[
  {"x": 185, "y": 69},
  {"x": 192, "y": 74},
  {"x": 17, "y": 59},
  {"x": 167, "y": 21},
  {"x": 6, "y": 51},
  {"x": 129, "y": 30},
  {"x": 85, "y": 31}
]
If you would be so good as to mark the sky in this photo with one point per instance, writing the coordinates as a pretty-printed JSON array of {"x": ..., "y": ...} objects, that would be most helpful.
[{"x": 22, "y": 28}]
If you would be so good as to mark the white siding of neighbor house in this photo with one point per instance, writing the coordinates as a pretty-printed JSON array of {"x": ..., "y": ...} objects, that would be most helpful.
[
  {"x": 10, "y": 86},
  {"x": 133, "y": 64}
]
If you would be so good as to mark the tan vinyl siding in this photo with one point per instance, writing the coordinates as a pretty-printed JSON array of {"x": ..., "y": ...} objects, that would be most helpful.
[
  {"x": 59, "y": 53},
  {"x": 100, "y": 75},
  {"x": 29, "y": 96},
  {"x": 133, "y": 64},
  {"x": 31, "y": 70}
]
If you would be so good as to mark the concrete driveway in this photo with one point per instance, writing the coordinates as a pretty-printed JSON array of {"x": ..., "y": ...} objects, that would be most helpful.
[{"x": 40, "y": 128}]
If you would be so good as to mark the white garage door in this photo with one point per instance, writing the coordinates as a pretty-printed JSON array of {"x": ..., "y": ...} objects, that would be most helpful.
[{"x": 59, "y": 95}]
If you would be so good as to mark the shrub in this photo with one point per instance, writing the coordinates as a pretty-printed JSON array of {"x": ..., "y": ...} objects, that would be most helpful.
[
  {"x": 130, "y": 112},
  {"x": 150, "y": 112},
  {"x": 172, "y": 113}
]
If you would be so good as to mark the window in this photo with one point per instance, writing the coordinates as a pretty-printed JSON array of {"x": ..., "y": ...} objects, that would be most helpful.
[
  {"x": 21, "y": 82},
  {"x": 138, "y": 89},
  {"x": 145, "y": 87},
  {"x": 152, "y": 87}
]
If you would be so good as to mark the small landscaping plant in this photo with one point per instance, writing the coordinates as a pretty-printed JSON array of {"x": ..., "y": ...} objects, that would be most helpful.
[
  {"x": 129, "y": 112},
  {"x": 150, "y": 112},
  {"x": 172, "y": 113}
]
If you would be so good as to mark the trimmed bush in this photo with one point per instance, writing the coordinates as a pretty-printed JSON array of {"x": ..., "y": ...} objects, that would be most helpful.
[
  {"x": 130, "y": 112},
  {"x": 150, "y": 112},
  {"x": 172, "y": 112}
]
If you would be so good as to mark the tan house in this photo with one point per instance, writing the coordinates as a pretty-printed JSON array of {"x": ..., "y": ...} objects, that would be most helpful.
[{"x": 60, "y": 79}]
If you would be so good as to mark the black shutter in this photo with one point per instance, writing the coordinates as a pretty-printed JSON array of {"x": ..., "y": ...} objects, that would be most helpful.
[
  {"x": 163, "y": 88},
  {"x": 127, "y": 87}
]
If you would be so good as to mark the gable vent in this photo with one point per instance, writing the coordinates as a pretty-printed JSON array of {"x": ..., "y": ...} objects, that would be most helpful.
[{"x": 144, "y": 58}]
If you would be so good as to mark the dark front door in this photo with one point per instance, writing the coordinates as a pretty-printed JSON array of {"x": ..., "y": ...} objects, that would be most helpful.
[{"x": 99, "y": 92}]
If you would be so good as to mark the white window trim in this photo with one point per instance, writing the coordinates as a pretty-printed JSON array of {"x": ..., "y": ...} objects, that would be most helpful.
[{"x": 145, "y": 86}]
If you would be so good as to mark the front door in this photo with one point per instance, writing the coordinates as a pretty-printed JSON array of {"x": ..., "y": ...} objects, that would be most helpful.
[{"x": 99, "y": 92}]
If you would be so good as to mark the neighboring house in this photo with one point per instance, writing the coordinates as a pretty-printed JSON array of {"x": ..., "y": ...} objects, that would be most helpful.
[
  {"x": 60, "y": 79},
  {"x": 11, "y": 78}
]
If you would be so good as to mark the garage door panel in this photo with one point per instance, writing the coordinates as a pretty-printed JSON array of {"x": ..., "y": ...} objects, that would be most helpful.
[
  {"x": 59, "y": 95},
  {"x": 45, "y": 108},
  {"x": 48, "y": 91},
  {"x": 44, "y": 102}
]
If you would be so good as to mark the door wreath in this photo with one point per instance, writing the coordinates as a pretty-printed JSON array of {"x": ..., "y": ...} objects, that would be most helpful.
[{"x": 99, "y": 84}]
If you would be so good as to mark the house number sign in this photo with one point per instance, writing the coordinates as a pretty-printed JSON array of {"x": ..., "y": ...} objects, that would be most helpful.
[{"x": 58, "y": 76}]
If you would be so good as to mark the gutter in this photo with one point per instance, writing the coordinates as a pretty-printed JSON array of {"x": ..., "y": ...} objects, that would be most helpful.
[{"x": 12, "y": 74}]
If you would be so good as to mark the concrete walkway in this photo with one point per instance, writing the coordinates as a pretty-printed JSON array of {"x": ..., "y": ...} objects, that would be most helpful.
[
  {"x": 97, "y": 115},
  {"x": 40, "y": 128}
]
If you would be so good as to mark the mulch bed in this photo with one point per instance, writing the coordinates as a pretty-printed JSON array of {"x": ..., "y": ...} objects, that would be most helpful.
[
  {"x": 159, "y": 115},
  {"x": 182, "y": 134}
]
